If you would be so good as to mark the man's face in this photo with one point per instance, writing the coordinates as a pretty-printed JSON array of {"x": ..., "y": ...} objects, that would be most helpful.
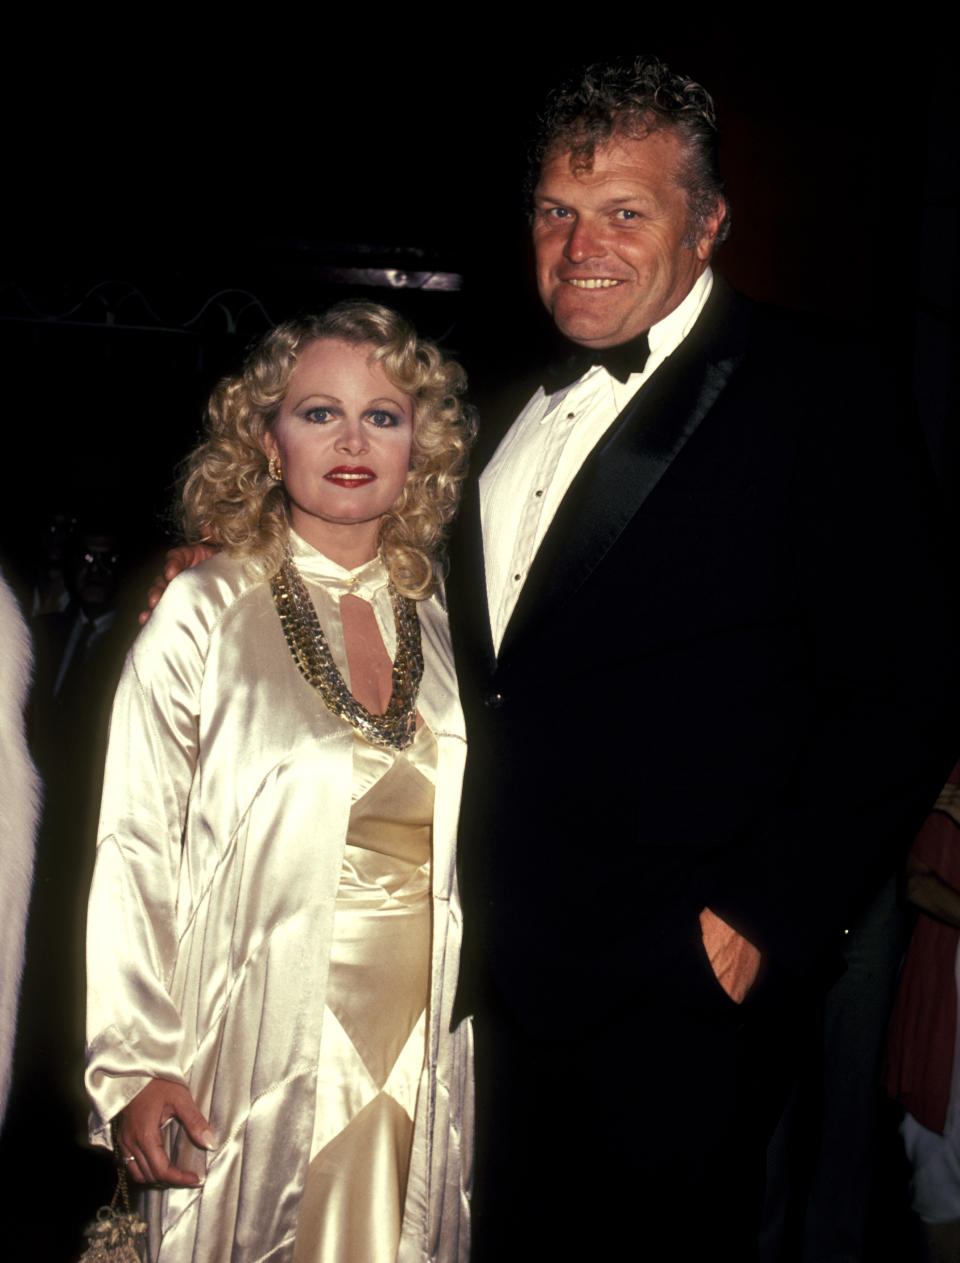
[
  {"x": 94, "y": 574},
  {"x": 611, "y": 258}
]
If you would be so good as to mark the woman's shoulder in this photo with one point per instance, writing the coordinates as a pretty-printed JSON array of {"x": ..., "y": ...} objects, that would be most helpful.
[
  {"x": 196, "y": 602},
  {"x": 220, "y": 580}
]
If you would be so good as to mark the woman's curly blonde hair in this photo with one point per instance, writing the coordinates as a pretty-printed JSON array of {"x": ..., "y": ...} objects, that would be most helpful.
[{"x": 229, "y": 497}]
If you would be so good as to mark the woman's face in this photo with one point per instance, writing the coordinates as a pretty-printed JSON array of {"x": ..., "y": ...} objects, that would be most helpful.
[{"x": 343, "y": 437}]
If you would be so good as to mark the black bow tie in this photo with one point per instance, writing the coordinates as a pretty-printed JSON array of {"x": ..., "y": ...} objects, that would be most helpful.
[{"x": 619, "y": 361}]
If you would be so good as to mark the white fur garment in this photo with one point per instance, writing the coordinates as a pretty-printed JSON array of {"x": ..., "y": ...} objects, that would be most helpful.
[{"x": 19, "y": 813}]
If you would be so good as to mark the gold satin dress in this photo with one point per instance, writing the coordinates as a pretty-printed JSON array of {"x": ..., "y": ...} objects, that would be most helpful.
[{"x": 373, "y": 1039}]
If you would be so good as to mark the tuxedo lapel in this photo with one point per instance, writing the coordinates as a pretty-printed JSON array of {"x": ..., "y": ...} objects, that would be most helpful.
[
  {"x": 625, "y": 467},
  {"x": 467, "y": 585}
]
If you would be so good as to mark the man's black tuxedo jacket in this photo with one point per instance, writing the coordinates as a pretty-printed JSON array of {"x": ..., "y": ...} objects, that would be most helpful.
[{"x": 726, "y": 683}]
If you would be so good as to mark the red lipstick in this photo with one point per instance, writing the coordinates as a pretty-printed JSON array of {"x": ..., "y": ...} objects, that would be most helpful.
[{"x": 350, "y": 476}]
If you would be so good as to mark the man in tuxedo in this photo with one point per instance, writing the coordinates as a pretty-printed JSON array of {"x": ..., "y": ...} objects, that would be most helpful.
[{"x": 703, "y": 648}]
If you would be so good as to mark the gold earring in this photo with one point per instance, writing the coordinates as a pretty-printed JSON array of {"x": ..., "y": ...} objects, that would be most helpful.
[{"x": 274, "y": 469}]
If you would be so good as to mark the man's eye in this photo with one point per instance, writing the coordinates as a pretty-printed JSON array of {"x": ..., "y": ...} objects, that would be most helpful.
[
  {"x": 383, "y": 420},
  {"x": 557, "y": 212},
  {"x": 319, "y": 416},
  {"x": 625, "y": 213}
]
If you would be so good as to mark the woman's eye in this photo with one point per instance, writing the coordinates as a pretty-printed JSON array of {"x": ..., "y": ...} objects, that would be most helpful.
[
  {"x": 383, "y": 420},
  {"x": 319, "y": 416}
]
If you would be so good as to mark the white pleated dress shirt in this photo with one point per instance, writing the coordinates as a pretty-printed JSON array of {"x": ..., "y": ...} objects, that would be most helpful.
[{"x": 542, "y": 452}]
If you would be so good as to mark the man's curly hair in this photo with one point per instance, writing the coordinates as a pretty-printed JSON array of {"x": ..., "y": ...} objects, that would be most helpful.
[
  {"x": 229, "y": 498},
  {"x": 632, "y": 99}
]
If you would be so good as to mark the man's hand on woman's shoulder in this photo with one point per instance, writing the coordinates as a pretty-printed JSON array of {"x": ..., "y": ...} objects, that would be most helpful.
[{"x": 182, "y": 558}]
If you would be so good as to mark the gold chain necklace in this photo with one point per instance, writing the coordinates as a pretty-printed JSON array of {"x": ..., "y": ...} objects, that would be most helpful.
[{"x": 395, "y": 728}]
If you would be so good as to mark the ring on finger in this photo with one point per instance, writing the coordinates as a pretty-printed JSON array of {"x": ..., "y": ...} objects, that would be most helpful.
[{"x": 130, "y": 1158}]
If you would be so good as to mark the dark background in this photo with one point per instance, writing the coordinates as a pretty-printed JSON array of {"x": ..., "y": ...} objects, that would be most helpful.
[
  {"x": 169, "y": 201},
  {"x": 174, "y": 187}
]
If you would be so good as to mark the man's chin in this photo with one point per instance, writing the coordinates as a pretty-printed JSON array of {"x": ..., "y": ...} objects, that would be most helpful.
[{"x": 586, "y": 328}]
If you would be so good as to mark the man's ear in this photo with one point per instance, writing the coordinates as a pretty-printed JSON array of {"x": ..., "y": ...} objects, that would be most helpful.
[{"x": 712, "y": 225}]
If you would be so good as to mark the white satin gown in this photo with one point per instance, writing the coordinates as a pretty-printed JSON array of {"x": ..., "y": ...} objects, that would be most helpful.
[{"x": 268, "y": 926}]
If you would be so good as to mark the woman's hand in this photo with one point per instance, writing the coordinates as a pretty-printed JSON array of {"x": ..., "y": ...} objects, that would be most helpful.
[
  {"x": 183, "y": 558},
  {"x": 139, "y": 1139}
]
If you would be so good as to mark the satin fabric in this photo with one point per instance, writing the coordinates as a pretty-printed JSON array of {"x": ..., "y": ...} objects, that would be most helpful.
[
  {"x": 221, "y": 843},
  {"x": 374, "y": 1033}
]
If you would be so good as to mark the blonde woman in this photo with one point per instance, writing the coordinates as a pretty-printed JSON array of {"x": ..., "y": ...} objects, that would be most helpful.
[{"x": 274, "y": 924}]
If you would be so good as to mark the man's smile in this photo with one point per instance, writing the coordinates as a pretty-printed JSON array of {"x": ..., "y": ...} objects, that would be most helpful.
[{"x": 592, "y": 282}]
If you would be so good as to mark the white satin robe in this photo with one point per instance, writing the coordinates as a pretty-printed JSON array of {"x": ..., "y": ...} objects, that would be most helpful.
[{"x": 226, "y": 798}]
